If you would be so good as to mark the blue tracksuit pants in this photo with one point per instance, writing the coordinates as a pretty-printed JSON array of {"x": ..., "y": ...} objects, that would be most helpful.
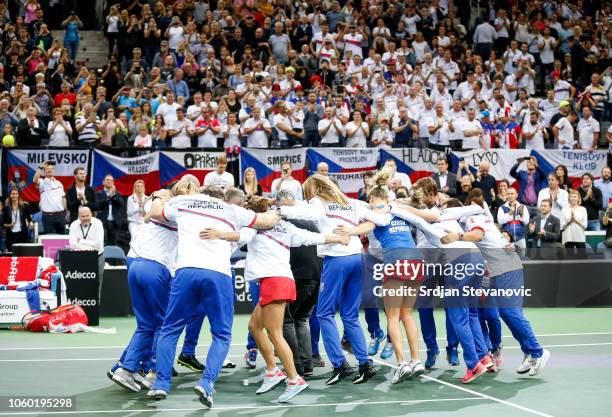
[
  {"x": 490, "y": 323},
  {"x": 463, "y": 311},
  {"x": 254, "y": 291},
  {"x": 192, "y": 287},
  {"x": 341, "y": 287},
  {"x": 511, "y": 312}
]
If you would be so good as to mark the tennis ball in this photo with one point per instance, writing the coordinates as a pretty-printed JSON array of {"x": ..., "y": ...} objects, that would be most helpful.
[{"x": 8, "y": 140}]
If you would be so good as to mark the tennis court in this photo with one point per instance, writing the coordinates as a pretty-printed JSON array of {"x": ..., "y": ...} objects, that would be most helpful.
[{"x": 576, "y": 381}]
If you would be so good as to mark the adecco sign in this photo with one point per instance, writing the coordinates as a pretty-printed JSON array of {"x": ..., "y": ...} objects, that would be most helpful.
[{"x": 80, "y": 270}]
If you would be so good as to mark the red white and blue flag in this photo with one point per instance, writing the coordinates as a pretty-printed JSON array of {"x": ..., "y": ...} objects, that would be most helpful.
[
  {"x": 416, "y": 163},
  {"x": 174, "y": 164},
  {"x": 125, "y": 171},
  {"x": 267, "y": 164},
  {"x": 346, "y": 165},
  {"x": 23, "y": 164}
]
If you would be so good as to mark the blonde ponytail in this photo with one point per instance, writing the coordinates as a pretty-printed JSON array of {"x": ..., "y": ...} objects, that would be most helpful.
[{"x": 320, "y": 186}]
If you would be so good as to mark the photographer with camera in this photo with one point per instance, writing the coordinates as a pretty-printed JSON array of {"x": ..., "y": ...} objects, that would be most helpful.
[
  {"x": 287, "y": 183},
  {"x": 52, "y": 198}
]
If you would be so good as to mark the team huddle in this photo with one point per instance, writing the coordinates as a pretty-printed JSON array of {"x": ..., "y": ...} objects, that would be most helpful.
[{"x": 179, "y": 272}]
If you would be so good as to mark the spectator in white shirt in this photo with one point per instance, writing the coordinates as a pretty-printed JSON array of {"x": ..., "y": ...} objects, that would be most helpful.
[
  {"x": 257, "y": 129},
  {"x": 58, "y": 129},
  {"x": 534, "y": 132},
  {"x": 588, "y": 130},
  {"x": 168, "y": 109},
  {"x": 330, "y": 129},
  {"x": 87, "y": 234},
  {"x": 181, "y": 130},
  {"x": 554, "y": 193},
  {"x": 403, "y": 178},
  {"x": 287, "y": 183},
  {"x": 220, "y": 177},
  {"x": 383, "y": 136},
  {"x": 357, "y": 132},
  {"x": 564, "y": 131},
  {"x": 283, "y": 127},
  {"x": 52, "y": 199},
  {"x": 472, "y": 132},
  {"x": 135, "y": 208}
]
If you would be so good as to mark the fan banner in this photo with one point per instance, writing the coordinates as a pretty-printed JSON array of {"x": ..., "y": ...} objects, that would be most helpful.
[
  {"x": 416, "y": 163},
  {"x": 23, "y": 164},
  {"x": 174, "y": 164},
  {"x": 346, "y": 166},
  {"x": 267, "y": 164},
  {"x": 125, "y": 171}
]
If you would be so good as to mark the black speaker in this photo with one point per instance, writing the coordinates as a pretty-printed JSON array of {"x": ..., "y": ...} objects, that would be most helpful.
[{"x": 27, "y": 249}]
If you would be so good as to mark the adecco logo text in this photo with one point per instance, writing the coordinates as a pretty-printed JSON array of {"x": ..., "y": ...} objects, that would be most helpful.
[
  {"x": 83, "y": 303},
  {"x": 80, "y": 275}
]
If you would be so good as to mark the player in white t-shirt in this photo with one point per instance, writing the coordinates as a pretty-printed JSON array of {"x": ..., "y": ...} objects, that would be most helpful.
[{"x": 203, "y": 278}]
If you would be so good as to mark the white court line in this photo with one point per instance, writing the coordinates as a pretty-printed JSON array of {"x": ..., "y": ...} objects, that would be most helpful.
[
  {"x": 244, "y": 344},
  {"x": 484, "y": 396},
  {"x": 240, "y": 356},
  {"x": 245, "y": 407}
]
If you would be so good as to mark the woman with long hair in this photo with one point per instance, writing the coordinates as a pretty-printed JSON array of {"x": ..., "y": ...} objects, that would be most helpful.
[
  {"x": 397, "y": 245},
  {"x": 268, "y": 262},
  {"x": 563, "y": 176},
  {"x": 136, "y": 208},
  {"x": 341, "y": 275},
  {"x": 250, "y": 186},
  {"x": 16, "y": 219},
  {"x": 574, "y": 221}
]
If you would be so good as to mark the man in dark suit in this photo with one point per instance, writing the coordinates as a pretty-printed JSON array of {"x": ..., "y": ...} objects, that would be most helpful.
[
  {"x": 445, "y": 180},
  {"x": 30, "y": 130},
  {"x": 80, "y": 194},
  {"x": 545, "y": 231},
  {"x": 109, "y": 204}
]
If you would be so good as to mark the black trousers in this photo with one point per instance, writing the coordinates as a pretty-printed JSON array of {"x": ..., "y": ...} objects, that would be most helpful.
[
  {"x": 15, "y": 237},
  {"x": 54, "y": 224},
  {"x": 296, "y": 326},
  {"x": 110, "y": 232}
]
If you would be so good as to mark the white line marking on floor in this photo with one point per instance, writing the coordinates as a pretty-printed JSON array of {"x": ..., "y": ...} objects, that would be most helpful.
[
  {"x": 240, "y": 356},
  {"x": 245, "y": 407},
  {"x": 484, "y": 396},
  {"x": 244, "y": 344}
]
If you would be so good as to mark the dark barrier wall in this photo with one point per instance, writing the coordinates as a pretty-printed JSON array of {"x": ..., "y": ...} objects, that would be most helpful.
[{"x": 552, "y": 284}]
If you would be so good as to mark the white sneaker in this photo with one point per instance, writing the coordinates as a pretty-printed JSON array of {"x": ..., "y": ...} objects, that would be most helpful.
[
  {"x": 157, "y": 394},
  {"x": 525, "y": 366},
  {"x": 271, "y": 380},
  {"x": 148, "y": 380},
  {"x": 539, "y": 363},
  {"x": 416, "y": 368},
  {"x": 400, "y": 373},
  {"x": 126, "y": 380},
  {"x": 293, "y": 389}
]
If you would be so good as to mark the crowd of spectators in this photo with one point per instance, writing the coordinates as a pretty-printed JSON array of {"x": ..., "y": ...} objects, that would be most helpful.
[{"x": 278, "y": 73}]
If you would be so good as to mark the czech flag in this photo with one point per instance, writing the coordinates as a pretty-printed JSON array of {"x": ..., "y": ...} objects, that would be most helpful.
[{"x": 125, "y": 171}]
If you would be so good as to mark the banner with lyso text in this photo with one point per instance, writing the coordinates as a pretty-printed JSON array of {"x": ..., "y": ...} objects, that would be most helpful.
[
  {"x": 174, "y": 164},
  {"x": 126, "y": 171},
  {"x": 23, "y": 164},
  {"x": 346, "y": 166},
  {"x": 267, "y": 164}
]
